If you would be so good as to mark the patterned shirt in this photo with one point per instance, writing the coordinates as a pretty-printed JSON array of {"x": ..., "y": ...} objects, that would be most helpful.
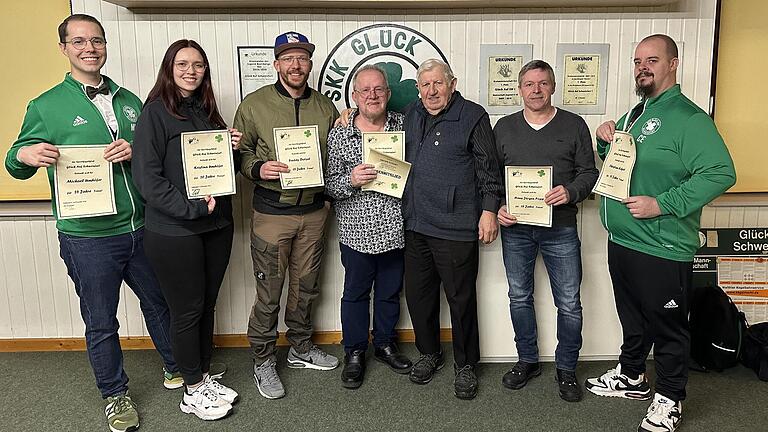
[{"x": 369, "y": 222}]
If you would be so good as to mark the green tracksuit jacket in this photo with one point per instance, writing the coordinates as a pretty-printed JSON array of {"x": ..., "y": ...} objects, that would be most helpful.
[
  {"x": 682, "y": 161},
  {"x": 64, "y": 115}
]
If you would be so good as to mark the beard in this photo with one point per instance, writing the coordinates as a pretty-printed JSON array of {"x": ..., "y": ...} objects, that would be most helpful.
[{"x": 643, "y": 91}]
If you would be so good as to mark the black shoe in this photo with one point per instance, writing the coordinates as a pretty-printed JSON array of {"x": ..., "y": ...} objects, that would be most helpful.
[
  {"x": 570, "y": 390},
  {"x": 426, "y": 366},
  {"x": 390, "y": 355},
  {"x": 521, "y": 372},
  {"x": 465, "y": 382},
  {"x": 354, "y": 369}
]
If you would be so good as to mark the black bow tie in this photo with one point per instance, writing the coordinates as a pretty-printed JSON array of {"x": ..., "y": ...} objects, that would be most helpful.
[{"x": 93, "y": 91}]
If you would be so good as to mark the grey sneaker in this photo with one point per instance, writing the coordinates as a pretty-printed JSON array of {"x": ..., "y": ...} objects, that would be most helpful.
[
  {"x": 315, "y": 358},
  {"x": 121, "y": 414},
  {"x": 267, "y": 381}
]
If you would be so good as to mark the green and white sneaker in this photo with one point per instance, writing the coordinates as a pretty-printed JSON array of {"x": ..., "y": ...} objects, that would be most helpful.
[
  {"x": 174, "y": 380},
  {"x": 121, "y": 414}
]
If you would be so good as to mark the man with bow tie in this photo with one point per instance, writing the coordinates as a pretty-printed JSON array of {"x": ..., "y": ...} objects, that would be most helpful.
[{"x": 100, "y": 252}]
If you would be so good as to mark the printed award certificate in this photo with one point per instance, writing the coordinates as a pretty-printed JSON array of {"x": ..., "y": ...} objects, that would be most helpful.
[
  {"x": 83, "y": 182},
  {"x": 388, "y": 143},
  {"x": 616, "y": 174},
  {"x": 299, "y": 148},
  {"x": 581, "y": 83},
  {"x": 208, "y": 163},
  {"x": 526, "y": 187},
  {"x": 392, "y": 173}
]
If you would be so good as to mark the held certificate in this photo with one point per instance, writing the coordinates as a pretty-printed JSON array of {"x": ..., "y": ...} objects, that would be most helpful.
[
  {"x": 392, "y": 173},
  {"x": 299, "y": 148},
  {"x": 83, "y": 182},
  {"x": 208, "y": 164},
  {"x": 616, "y": 174},
  {"x": 389, "y": 143},
  {"x": 526, "y": 187}
]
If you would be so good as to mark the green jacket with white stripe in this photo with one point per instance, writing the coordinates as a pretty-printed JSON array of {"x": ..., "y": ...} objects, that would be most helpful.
[
  {"x": 682, "y": 161},
  {"x": 64, "y": 115}
]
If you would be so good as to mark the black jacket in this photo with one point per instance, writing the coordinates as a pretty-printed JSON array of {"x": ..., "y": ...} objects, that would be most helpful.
[{"x": 159, "y": 175}]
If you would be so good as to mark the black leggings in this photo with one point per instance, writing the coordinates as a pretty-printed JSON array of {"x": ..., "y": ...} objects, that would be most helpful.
[{"x": 190, "y": 270}]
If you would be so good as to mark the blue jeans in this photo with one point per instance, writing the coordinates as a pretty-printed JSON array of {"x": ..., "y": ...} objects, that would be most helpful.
[
  {"x": 98, "y": 266},
  {"x": 561, "y": 249},
  {"x": 384, "y": 273}
]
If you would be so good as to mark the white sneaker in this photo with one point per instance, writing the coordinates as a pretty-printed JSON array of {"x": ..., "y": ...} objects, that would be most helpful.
[
  {"x": 664, "y": 415},
  {"x": 223, "y": 391},
  {"x": 615, "y": 384},
  {"x": 205, "y": 403}
]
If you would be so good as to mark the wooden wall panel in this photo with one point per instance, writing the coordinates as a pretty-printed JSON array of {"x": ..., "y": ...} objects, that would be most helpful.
[{"x": 37, "y": 298}]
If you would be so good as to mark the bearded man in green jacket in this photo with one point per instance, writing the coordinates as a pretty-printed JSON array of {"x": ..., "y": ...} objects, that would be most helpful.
[{"x": 681, "y": 165}]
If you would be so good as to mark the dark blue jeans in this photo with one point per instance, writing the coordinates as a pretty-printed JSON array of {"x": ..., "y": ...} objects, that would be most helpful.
[
  {"x": 98, "y": 266},
  {"x": 384, "y": 273},
  {"x": 561, "y": 250}
]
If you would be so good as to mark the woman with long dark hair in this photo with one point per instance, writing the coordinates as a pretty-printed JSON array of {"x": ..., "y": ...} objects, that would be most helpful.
[{"x": 188, "y": 241}]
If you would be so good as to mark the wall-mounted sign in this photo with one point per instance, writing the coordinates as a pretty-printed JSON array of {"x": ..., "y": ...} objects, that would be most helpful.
[
  {"x": 499, "y": 67},
  {"x": 582, "y": 72},
  {"x": 397, "y": 48},
  {"x": 256, "y": 68}
]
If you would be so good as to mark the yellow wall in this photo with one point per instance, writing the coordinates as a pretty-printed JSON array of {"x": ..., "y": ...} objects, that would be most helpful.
[
  {"x": 741, "y": 98},
  {"x": 32, "y": 65}
]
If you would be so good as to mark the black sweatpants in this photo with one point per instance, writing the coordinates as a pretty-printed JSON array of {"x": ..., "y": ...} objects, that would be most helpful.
[
  {"x": 429, "y": 261},
  {"x": 190, "y": 270},
  {"x": 651, "y": 296}
]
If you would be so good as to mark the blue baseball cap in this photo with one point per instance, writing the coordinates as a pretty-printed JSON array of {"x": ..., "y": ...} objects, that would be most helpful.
[{"x": 292, "y": 40}]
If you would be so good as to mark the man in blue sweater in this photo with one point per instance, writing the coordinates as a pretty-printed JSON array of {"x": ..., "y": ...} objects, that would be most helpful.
[{"x": 449, "y": 203}]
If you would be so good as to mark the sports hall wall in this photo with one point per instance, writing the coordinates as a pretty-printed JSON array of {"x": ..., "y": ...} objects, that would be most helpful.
[{"x": 36, "y": 296}]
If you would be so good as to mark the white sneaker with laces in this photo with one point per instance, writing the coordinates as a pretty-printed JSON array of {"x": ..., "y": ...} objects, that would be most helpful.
[
  {"x": 615, "y": 384},
  {"x": 223, "y": 391},
  {"x": 664, "y": 415},
  {"x": 205, "y": 403}
]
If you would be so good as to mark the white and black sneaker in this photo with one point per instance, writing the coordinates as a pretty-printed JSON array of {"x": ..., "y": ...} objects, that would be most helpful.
[
  {"x": 223, "y": 391},
  {"x": 615, "y": 384},
  {"x": 205, "y": 403},
  {"x": 664, "y": 415},
  {"x": 315, "y": 358}
]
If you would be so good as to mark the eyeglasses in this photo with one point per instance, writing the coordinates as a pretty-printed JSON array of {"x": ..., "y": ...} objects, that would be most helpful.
[
  {"x": 427, "y": 84},
  {"x": 81, "y": 43},
  {"x": 379, "y": 91},
  {"x": 183, "y": 66},
  {"x": 303, "y": 60}
]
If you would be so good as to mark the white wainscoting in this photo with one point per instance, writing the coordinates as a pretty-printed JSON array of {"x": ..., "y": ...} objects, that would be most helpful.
[{"x": 37, "y": 298}]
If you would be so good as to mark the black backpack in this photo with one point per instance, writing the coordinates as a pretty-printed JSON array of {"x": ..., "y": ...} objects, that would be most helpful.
[
  {"x": 717, "y": 329},
  {"x": 754, "y": 353}
]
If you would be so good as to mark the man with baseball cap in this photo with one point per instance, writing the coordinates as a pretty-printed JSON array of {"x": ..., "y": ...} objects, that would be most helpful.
[{"x": 287, "y": 229}]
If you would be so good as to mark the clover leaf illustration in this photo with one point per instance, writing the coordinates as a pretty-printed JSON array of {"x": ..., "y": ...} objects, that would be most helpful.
[
  {"x": 307, "y": 133},
  {"x": 218, "y": 138},
  {"x": 403, "y": 90},
  {"x": 541, "y": 173}
]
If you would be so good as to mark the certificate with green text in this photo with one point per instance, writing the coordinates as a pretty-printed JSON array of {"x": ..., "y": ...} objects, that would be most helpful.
[
  {"x": 388, "y": 143},
  {"x": 208, "y": 163},
  {"x": 616, "y": 174},
  {"x": 83, "y": 182},
  {"x": 526, "y": 188},
  {"x": 391, "y": 174},
  {"x": 299, "y": 148}
]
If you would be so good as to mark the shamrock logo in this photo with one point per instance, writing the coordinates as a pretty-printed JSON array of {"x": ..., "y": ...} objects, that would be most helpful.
[
  {"x": 307, "y": 133},
  {"x": 394, "y": 138},
  {"x": 394, "y": 186},
  {"x": 403, "y": 91},
  {"x": 541, "y": 173},
  {"x": 218, "y": 138}
]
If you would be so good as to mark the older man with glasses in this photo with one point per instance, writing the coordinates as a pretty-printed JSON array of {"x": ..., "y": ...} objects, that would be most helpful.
[
  {"x": 370, "y": 232},
  {"x": 288, "y": 225}
]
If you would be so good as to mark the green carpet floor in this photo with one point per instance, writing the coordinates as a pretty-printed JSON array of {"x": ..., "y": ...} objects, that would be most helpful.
[{"x": 56, "y": 392}]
